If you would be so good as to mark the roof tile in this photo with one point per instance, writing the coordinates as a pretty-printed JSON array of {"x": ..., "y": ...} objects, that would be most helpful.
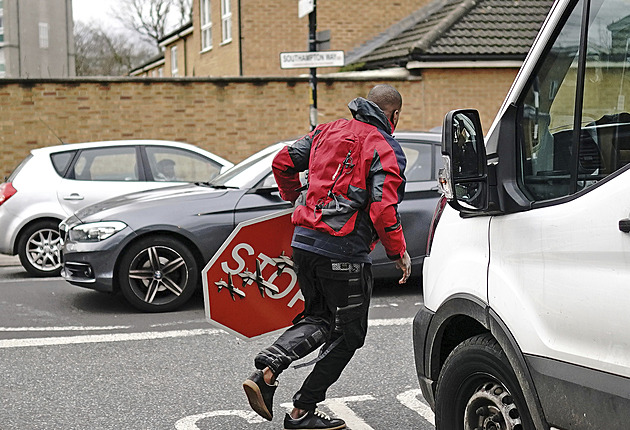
[{"x": 463, "y": 29}]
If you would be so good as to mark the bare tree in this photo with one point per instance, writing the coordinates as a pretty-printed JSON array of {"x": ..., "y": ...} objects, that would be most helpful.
[
  {"x": 100, "y": 53},
  {"x": 151, "y": 18}
]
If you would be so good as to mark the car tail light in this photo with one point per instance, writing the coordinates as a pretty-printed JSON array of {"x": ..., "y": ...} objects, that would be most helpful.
[
  {"x": 6, "y": 191},
  {"x": 441, "y": 204}
]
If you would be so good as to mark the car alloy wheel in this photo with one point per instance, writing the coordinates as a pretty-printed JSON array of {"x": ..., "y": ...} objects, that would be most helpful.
[
  {"x": 158, "y": 274},
  {"x": 38, "y": 248}
]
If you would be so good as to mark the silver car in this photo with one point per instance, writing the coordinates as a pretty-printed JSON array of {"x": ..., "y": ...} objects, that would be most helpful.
[{"x": 54, "y": 182}]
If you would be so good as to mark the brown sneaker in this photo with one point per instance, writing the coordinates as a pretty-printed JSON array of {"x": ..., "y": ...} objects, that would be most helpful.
[{"x": 260, "y": 394}]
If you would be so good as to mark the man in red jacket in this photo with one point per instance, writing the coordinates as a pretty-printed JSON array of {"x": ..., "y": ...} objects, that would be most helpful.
[{"x": 355, "y": 183}]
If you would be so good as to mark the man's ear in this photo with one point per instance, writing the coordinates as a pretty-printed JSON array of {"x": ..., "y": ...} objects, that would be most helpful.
[{"x": 394, "y": 117}]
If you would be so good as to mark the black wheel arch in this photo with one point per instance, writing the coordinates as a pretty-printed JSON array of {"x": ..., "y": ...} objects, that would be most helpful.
[
  {"x": 199, "y": 259},
  {"x": 463, "y": 316}
]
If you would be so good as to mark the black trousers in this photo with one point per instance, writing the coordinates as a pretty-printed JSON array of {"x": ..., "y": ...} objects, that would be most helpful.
[{"x": 336, "y": 303}]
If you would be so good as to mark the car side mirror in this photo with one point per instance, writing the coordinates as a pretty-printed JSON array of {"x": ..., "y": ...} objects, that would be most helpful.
[{"x": 464, "y": 178}]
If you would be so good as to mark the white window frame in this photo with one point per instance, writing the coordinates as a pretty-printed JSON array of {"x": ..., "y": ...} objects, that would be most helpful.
[
  {"x": 206, "y": 25},
  {"x": 43, "y": 35},
  {"x": 226, "y": 21},
  {"x": 174, "y": 67}
]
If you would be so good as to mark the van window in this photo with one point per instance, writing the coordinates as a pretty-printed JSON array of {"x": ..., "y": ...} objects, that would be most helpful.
[{"x": 547, "y": 166}]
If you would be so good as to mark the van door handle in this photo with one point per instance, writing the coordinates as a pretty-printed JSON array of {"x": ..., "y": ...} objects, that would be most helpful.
[
  {"x": 624, "y": 225},
  {"x": 73, "y": 196}
]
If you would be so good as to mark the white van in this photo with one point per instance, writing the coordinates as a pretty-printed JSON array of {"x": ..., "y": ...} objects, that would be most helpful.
[{"x": 526, "y": 316}]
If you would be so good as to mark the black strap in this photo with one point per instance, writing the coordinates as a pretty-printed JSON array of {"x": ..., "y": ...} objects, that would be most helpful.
[{"x": 321, "y": 354}]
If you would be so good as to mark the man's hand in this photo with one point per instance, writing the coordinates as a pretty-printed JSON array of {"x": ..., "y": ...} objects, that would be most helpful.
[{"x": 404, "y": 264}]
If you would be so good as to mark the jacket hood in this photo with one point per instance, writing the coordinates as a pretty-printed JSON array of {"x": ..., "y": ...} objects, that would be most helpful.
[{"x": 366, "y": 111}]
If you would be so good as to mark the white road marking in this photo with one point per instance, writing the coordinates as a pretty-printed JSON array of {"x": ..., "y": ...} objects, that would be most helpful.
[
  {"x": 190, "y": 422},
  {"x": 121, "y": 337},
  {"x": 67, "y": 328},
  {"x": 410, "y": 400},
  {"x": 389, "y": 322},
  {"x": 337, "y": 406},
  {"x": 101, "y": 338},
  {"x": 31, "y": 280}
]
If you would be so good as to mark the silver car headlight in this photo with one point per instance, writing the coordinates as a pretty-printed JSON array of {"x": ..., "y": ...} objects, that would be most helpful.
[{"x": 95, "y": 231}]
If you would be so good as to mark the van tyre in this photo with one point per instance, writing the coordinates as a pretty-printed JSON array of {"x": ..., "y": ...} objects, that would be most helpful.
[
  {"x": 478, "y": 390},
  {"x": 38, "y": 248},
  {"x": 158, "y": 274}
]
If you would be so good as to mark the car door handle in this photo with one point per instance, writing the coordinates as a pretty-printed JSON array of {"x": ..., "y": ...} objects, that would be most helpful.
[
  {"x": 73, "y": 196},
  {"x": 624, "y": 225}
]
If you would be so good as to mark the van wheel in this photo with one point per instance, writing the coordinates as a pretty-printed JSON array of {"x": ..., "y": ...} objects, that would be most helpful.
[
  {"x": 157, "y": 274},
  {"x": 477, "y": 389},
  {"x": 38, "y": 248}
]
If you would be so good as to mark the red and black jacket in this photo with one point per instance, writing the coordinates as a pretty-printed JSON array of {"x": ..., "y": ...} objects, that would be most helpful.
[{"x": 355, "y": 183}]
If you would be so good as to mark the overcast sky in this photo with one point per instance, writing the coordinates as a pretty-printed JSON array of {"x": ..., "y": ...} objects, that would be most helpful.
[{"x": 93, "y": 10}]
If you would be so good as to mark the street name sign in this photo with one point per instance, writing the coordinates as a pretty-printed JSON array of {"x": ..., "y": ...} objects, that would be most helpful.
[
  {"x": 300, "y": 60},
  {"x": 305, "y": 7}
]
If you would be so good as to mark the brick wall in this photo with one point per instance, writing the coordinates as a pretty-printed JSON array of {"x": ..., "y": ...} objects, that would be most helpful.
[
  {"x": 230, "y": 117},
  {"x": 273, "y": 27}
]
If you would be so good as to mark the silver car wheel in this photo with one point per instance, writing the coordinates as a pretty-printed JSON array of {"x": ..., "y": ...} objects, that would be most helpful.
[
  {"x": 42, "y": 250},
  {"x": 159, "y": 272}
]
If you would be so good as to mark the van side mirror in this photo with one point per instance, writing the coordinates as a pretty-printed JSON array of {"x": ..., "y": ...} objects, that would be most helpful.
[{"x": 464, "y": 178}]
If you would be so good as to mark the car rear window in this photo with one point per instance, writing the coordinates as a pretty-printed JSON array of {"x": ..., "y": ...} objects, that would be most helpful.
[{"x": 61, "y": 160}]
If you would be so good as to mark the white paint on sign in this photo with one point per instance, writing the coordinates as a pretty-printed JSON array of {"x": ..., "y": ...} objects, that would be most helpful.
[
  {"x": 300, "y": 60},
  {"x": 305, "y": 7}
]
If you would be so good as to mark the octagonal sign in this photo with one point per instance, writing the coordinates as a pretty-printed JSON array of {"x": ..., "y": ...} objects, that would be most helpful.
[{"x": 249, "y": 285}]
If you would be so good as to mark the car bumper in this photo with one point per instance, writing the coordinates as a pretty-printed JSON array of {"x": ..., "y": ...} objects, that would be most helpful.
[
  {"x": 421, "y": 324},
  {"x": 9, "y": 226},
  {"x": 93, "y": 264}
]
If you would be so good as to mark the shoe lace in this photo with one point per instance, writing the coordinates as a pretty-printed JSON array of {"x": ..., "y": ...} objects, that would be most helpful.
[{"x": 320, "y": 414}]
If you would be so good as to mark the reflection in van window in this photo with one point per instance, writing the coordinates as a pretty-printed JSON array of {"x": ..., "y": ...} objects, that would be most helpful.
[
  {"x": 547, "y": 114},
  {"x": 549, "y": 169}
]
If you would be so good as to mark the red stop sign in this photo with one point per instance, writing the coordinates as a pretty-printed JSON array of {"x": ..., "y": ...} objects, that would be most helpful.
[{"x": 250, "y": 287}]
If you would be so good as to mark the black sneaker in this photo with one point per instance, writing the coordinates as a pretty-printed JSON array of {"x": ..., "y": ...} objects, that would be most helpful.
[
  {"x": 313, "y": 420},
  {"x": 260, "y": 394}
]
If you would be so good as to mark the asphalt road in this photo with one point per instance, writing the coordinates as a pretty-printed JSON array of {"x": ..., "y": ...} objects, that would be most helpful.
[{"x": 76, "y": 359}]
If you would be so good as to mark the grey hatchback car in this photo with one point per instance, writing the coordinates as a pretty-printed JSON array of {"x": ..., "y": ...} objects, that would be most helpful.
[
  {"x": 152, "y": 245},
  {"x": 54, "y": 182}
]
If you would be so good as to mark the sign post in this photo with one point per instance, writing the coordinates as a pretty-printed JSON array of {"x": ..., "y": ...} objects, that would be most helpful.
[{"x": 312, "y": 47}]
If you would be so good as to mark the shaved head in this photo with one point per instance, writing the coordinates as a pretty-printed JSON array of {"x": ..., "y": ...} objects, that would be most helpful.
[{"x": 388, "y": 99}]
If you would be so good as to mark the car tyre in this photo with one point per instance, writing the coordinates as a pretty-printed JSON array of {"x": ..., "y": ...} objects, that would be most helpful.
[
  {"x": 477, "y": 389},
  {"x": 157, "y": 274},
  {"x": 38, "y": 248}
]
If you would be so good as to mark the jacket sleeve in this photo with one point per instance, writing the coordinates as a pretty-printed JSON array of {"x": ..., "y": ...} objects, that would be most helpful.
[
  {"x": 387, "y": 189},
  {"x": 287, "y": 165}
]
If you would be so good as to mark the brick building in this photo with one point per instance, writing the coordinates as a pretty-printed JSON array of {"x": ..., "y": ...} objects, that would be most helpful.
[
  {"x": 450, "y": 54},
  {"x": 246, "y": 37},
  {"x": 36, "y": 39}
]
